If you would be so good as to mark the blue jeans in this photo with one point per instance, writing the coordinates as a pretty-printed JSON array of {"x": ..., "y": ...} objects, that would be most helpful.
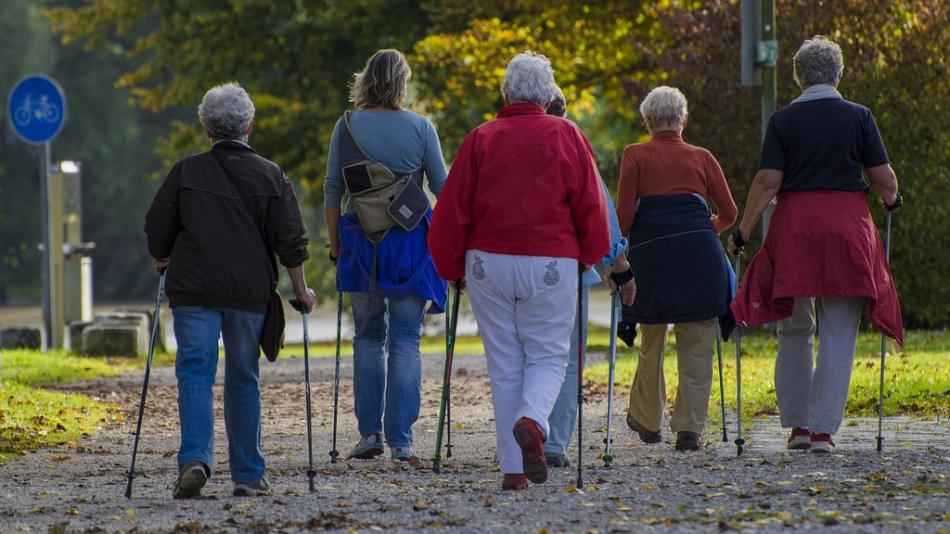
[
  {"x": 564, "y": 415},
  {"x": 398, "y": 380},
  {"x": 196, "y": 331}
]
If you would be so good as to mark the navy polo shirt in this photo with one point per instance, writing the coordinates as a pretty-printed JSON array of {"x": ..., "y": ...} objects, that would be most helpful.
[{"x": 823, "y": 144}]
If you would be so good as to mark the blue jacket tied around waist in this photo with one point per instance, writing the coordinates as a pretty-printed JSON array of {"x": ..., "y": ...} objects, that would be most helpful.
[
  {"x": 681, "y": 272},
  {"x": 404, "y": 267}
]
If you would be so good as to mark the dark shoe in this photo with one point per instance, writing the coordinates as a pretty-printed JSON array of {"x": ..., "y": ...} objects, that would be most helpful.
[
  {"x": 800, "y": 439},
  {"x": 191, "y": 478},
  {"x": 557, "y": 460},
  {"x": 247, "y": 489},
  {"x": 514, "y": 482},
  {"x": 646, "y": 436},
  {"x": 687, "y": 441},
  {"x": 531, "y": 440}
]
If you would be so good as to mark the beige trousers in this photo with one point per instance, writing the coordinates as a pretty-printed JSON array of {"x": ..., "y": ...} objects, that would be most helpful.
[{"x": 694, "y": 352}]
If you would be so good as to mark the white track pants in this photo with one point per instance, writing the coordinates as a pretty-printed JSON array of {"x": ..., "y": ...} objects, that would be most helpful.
[{"x": 525, "y": 308}]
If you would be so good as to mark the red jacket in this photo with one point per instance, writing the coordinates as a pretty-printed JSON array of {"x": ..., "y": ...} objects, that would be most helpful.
[
  {"x": 522, "y": 184},
  {"x": 819, "y": 244}
]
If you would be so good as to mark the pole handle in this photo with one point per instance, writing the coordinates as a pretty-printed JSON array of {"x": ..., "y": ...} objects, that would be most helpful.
[{"x": 299, "y": 306}]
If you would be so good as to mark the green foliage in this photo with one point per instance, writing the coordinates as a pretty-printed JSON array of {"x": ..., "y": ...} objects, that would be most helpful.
[
  {"x": 896, "y": 63},
  {"x": 297, "y": 57},
  {"x": 917, "y": 383}
]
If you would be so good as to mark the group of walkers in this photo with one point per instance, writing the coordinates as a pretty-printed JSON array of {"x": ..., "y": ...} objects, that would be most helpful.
[{"x": 519, "y": 223}]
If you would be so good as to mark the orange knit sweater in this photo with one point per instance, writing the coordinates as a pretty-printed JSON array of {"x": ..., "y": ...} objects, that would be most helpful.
[{"x": 667, "y": 165}]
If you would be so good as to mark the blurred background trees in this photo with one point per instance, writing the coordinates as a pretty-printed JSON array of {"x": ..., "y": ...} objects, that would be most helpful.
[{"x": 134, "y": 71}]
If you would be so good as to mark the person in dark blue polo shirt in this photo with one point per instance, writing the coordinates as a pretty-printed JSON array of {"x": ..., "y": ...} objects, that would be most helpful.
[{"x": 822, "y": 255}]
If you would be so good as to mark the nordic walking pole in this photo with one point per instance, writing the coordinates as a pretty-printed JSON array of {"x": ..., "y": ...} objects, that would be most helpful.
[
  {"x": 302, "y": 308},
  {"x": 614, "y": 312},
  {"x": 880, "y": 395},
  {"x": 722, "y": 387},
  {"x": 148, "y": 368},
  {"x": 334, "y": 454},
  {"x": 581, "y": 349},
  {"x": 452, "y": 322},
  {"x": 739, "y": 441},
  {"x": 448, "y": 398}
]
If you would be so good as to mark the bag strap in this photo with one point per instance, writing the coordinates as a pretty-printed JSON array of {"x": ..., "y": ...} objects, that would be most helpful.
[
  {"x": 349, "y": 131},
  {"x": 247, "y": 211},
  {"x": 415, "y": 174}
]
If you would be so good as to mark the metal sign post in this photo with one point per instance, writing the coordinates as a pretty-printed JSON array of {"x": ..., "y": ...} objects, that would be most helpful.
[
  {"x": 758, "y": 57},
  {"x": 37, "y": 109}
]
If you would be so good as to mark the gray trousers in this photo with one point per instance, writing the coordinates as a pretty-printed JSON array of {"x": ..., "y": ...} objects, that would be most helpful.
[{"x": 813, "y": 394}]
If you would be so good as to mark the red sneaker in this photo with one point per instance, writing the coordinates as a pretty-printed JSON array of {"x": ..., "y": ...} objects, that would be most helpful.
[
  {"x": 822, "y": 443},
  {"x": 514, "y": 482},
  {"x": 800, "y": 439},
  {"x": 531, "y": 440}
]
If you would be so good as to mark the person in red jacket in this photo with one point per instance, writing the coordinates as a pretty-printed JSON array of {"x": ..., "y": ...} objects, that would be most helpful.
[
  {"x": 822, "y": 256},
  {"x": 521, "y": 210}
]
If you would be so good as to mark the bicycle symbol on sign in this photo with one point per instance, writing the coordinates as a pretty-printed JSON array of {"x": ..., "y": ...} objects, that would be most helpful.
[{"x": 41, "y": 110}]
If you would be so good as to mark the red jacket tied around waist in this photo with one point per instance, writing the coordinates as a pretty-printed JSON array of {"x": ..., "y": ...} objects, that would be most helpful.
[
  {"x": 522, "y": 184},
  {"x": 819, "y": 244}
]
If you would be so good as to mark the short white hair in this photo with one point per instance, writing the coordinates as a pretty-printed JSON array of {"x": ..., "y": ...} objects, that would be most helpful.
[
  {"x": 529, "y": 78},
  {"x": 818, "y": 61},
  {"x": 664, "y": 108},
  {"x": 226, "y": 111}
]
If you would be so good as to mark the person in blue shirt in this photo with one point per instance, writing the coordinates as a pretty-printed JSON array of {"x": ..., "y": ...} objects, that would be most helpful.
[
  {"x": 564, "y": 415},
  {"x": 390, "y": 277}
]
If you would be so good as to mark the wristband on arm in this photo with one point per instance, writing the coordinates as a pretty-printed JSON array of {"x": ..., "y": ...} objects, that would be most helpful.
[
  {"x": 898, "y": 202},
  {"x": 623, "y": 277}
]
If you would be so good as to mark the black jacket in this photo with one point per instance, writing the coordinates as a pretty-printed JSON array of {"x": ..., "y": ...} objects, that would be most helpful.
[{"x": 221, "y": 235}]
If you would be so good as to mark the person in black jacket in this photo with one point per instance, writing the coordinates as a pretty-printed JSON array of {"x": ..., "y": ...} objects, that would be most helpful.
[{"x": 216, "y": 224}]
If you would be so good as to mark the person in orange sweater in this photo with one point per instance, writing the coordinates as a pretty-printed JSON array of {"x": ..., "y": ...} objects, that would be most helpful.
[
  {"x": 668, "y": 190},
  {"x": 521, "y": 210}
]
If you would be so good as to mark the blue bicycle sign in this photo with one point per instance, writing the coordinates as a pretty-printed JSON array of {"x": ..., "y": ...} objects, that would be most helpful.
[{"x": 36, "y": 109}]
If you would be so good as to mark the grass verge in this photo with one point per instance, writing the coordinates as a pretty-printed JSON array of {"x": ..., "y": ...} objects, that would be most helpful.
[
  {"x": 32, "y": 417},
  {"x": 917, "y": 380}
]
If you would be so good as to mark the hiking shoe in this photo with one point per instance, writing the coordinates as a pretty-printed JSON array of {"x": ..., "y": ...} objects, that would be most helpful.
[
  {"x": 251, "y": 489},
  {"x": 531, "y": 440},
  {"x": 369, "y": 447},
  {"x": 687, "y": 441},
  {"x": 822, "y": 443},
  {"x": 646, "y": 436},
  {"x": 403, "y": 454},
  {"x": 799, "y": 440},
  {"x": 514, "y": 482},
  {"x": 191, "y": 478},
  {"x": 557, "y": 460}
]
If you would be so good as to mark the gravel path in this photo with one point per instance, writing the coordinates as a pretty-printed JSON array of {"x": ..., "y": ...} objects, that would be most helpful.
[{"x": 80, "y": 487}]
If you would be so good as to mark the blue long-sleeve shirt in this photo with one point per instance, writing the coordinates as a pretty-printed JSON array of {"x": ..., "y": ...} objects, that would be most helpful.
[
  {"x": 618, "y": 243},
  {"x": 401, "y": 140}
]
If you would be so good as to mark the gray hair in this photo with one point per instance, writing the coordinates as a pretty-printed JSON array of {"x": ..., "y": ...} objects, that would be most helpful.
[
  {"x": 529, "y": 78},
  {"x": 664, "y": 108},
  {"x": 226, "y": 111},
  {"x": 818, "y": 61}
]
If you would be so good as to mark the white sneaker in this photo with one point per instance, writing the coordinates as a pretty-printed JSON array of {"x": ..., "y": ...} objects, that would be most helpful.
[
  {"x": 822, "y": 443},
  {"x": 800, "y": 439}
]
